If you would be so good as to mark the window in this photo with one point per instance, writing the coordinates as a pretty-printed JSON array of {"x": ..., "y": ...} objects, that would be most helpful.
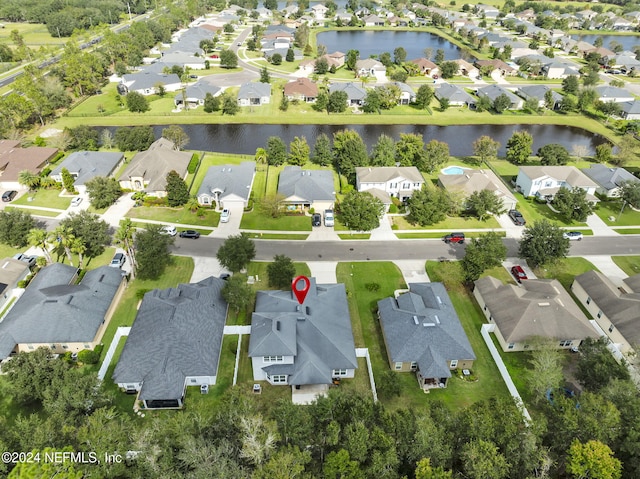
[
  {"x": 405, "y": 186},
  {"x": 416, "y": 185},
  {"x": 272, "y": 359},
  {"x": 86, "y": 346},
  {"x": 278, "y": 378},
  {"x": 65, "y": 347},
  {"x": 599, "y": 314},
  {"x": 588, "y": 299},
  {"x": 393, "y": 185},
  {"x": 547, "y": 184},
  {"x": 398, "y": 366},
  {"x": 454, "y": 363},
  {"x": 611, "y": 328},
  {"x": 414, "y": 365},
  {"x": 565, "y": 343},
  {"x": 511, "y": 345},
  {"x": 30, "y": 347},
  {"x": 339, "y": 372}
]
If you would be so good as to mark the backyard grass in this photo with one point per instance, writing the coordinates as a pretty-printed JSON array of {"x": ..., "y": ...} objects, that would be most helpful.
[
  {"x": 175, "y": 216},
  {"x": 48, "y": 198},
  {"x": 258, "y": 221},
  {"x": 611, "y": 209},
  {"x": 35, "y": 211},
  {"x": 565, "y": 270},
  {"x": 628, "y": 264},
  {"x": 451, "y": 222}
]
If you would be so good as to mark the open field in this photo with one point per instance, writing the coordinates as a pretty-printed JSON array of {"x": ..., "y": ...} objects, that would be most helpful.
[{"x": 35, "y": 35}]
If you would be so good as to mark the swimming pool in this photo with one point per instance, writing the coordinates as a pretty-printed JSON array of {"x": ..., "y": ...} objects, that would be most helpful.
[{"x": 453, "y": 170}]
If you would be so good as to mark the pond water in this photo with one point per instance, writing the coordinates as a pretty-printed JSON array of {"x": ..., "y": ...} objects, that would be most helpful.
[
  {"x": 369, "y": 42},
  {"x": 627, "y": 41},
  {"x": 246, "y": 138}
]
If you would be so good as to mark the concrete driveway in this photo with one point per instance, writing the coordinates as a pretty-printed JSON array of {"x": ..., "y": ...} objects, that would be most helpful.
[
  {"x": 205, "y": 267},
  {"x": 512, "y": 261},
  {"x": 413, "y": 271},
  {"x": 232, "y": 227},
  {"x": 323, "y": 271}
]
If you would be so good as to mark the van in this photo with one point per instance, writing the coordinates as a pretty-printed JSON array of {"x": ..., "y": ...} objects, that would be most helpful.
[{"x": 328, "y": 217}]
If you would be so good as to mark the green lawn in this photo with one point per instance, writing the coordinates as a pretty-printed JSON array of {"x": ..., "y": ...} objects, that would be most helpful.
[
  {"x": 628, "y": 264},
  {"x": 277, "y": 236},
  {"x": 175, "y": 216},
  {"x": 627, "y": 231},
  {"x": 257, "y": 221},
  {"x": 451, "y": 222},
  {"x": 471, "y": 234},
  {"x": 48, "y": 198},
  {"x": 355, "y": 236},
  {"x": 565, "y": 270},
  {"x": 35, "y": 35},
  {"x": 35, "y": 211},
  {"x": 8, "y": 251},
  {"x": 211, "y": 159},
  {"x": 533, "y": 211},
  {"x": 607, "y": 209}
]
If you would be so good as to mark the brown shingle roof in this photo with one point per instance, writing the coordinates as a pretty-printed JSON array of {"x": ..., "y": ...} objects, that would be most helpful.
[
  {"x": 301, "y": 86},
  {"x": 14, "y": 159}
]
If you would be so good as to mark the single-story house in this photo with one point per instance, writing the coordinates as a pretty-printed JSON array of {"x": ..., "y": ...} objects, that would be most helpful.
[
  {"x": 499, "y": 65},
  {"x": 456, "y": 95},
  {"x": 545, "y": 181},
  {"x": 630, "y": 110},
  {"x": 302, "y": 344},
  {"x": 194, "y": 95},
  {"x": 373, "y": 21},
  {"x": 371, "y": 68},
  {"x": 559, "y": 69},
  {"x": 613, "y": 94},
  {"x": 56, "y": 313},
  {"x": 407, "y": 95},
  {"x": 175, "y": 342},
  {"x": 12, "y": 271},
  {"x": 494, "y": 91},
  {"x": 184, "y": 59},
  {"x": 307, "y": 188},
  {"x": 225, "y": 185},
  {"x": 397, "y": 181},
  {"x": 466, "y": 69},
  {"x": 609, "y": 179},
  {"x": 422, "y": 333},
  {"x": 616, "y": 312},
  {"x": 86, "y": 165},
  {"x": 355, "y": 93},
  {"x": 301, "y": 89},
  {"x": 14, "y": 159},
  {"x": 335, "y": 59},
  {"x": 254, "y": 94},
  {"x": 148, "y": 170},
  {"x": 147, "y": 82},
  {"x": 471, "y": 181},
  {"x": 537, "y": 308},
  {"x": 539, "y": 92},
  {"x": 427, "y": 67}
]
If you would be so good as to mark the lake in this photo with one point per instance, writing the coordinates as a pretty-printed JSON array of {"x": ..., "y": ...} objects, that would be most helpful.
[
  {"x": 246, "y": 138},
  {"x": 627, "y": 41},
  {"x": 369, "y": 43}
]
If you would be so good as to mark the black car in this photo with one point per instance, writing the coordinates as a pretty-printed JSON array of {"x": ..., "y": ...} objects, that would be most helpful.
[
  {"x": 316, "y": 219},
  {"x": 9, "y": 195},
  {"x": 517, "y": 217},
  {"x": 454, "y": 238},
  {"x": 193, "y": 234}
]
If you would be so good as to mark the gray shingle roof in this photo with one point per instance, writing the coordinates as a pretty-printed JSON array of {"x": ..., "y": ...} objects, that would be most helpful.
[
  {"x": 199, "y": 91},
  {"x": 408, "y": 339},
  {"x": 608, "y": 178},
  {"x": 494, "y": 91},
  {"x": 148, "y": 80},
  {"x": 385, "y": 173},
  {"x": 177, "y": 333},
  {"x": 318, "y": 332},
  {"x": 353, "y": 91},
  {"x": 53, "y": 311},
  {"x": 453, "y": 93},
  {"x": 254, "y": 90},
  {"x": 606, "y": 91},
  {"x": 538, "y": 92},
  {"x": 308, "y": 185},
  {"x": 229, "y": 180},
  {"x": 89, "y": 164}
]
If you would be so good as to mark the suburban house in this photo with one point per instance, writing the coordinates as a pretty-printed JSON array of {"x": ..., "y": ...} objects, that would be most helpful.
[
  {"x": 630, "y": 110},
  {"x": 86, "y": 165},
  {"x": 494, "y": 91},
  {"x": 14, "y": 159},
  {"x": 186, "y": 60},
  {"x": 539, "y": 92},
  {"x": 496, "y": 65},
  {"x": 608, "y": 179},
  {"x": 373, "y": 21},
  {"x": 194, "y": 95},
  {"x": 389, "y": 181},
  {"x": 471, "y": 181},
  {"x": 537, "y": 308},
  {"x": 227, "y": 185},
  {"x": 544, "y": 182},
  {"x": 427, "y": 67},
  {"x": 355, "y": 93},
  {"x": 306, "y": 188},
  {"x": 466, "y": 69},
  {"x": 148, "y": 170},
  {"x": 175, "y": 342},
  {"x": 616, "y": 311},
  {"x": 301, "y": 89},
  {"x": 319, "y": 11},
  {"x": 558, "y": 69},
  {"x": 56, "y": 313},
  {"x": 12, "y": 271},
  {"x": 308, "y": 344},
  {"x": 371, "y": 68},
  {"x": 254, "y": 94},
  {"x": 613, "y": 94},
  {"x": 422, "y": 333},
  {"x": 456, "y": 95},
  {"x": 407, "y": 95},
  {"x": 148, "y": 83}
]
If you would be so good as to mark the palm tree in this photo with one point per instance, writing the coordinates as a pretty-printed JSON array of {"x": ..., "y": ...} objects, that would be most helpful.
[
  {"x": 38, "y": 237},
  {"x": 65, "y": 239},
  {"x": 28, "y": 179},
  {"x": 364, "y": 79},
  {"x": 261, "y": 156},
  {"x": 124, "y": 236},
  {"x": 78, "y": 247}
]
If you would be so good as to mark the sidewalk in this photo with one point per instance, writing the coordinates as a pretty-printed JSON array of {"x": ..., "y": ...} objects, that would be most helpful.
[
  {"x": 599, "y": 227},
  {"x": 607, "y": 267},
  {"x": 384, "y": 231}
]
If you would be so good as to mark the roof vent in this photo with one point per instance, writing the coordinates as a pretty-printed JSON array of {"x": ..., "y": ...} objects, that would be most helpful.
[
  {"x": 415, "y": 320},
  {"x": 436, "y": 318},
  {"x": 5, "y": 265},
  {"x": 277, "y": 325},
  {"x": 543, "y": 304},
  {"x": 426, "y": 325},
  {"x": 308, "y": 310},
  {"x": 438, "y": 299},
  {"x": 301, "y": 318}
]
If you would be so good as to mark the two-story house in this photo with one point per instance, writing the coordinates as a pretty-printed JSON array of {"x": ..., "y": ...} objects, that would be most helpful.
[
  {"x": 395, "y": 181},
  {"x": 543, "y": 182}
]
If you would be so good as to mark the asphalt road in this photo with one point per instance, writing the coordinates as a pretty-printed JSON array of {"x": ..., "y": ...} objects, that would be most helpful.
[{"x": 390, "y": 250}]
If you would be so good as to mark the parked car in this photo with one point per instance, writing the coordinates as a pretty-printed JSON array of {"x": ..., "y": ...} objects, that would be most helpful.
[
  {"x": 517, "y": 217},
  {"x": 328, "y": 218},
  {"x": 9, "y": 195},
  {"x": 76, "y": 201},
  {"x": 573, "y": 235},
  {"x": 316, "y": 219},
  {"x": 30, "y": 260},
  {"x": 518, "y": 273},
  {"x": 224, "y": 216},
  {"x": 192, "y": 234},
  {"x": 454, "y": 238},
  {"x": 168, "y": 230},
  {"x": 118, "y": 260}
]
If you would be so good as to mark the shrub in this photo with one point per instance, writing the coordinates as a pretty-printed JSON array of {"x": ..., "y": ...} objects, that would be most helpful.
[
  {"x": 373, "y": 287},
  {"x": 393, "y": 208},
  {"x": 193, "y": 164},
  {"x": 98, "y": 349},
  {"x": 155, "y": 201},
  {"x": 88, "y": 356},
  {"x": 141, "y": 292}
]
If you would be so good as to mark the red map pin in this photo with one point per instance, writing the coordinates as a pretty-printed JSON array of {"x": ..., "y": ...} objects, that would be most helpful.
[{"x": 300, "y": 293}]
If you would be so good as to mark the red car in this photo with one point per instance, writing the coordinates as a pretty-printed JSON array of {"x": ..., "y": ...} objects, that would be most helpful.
[{"x": 518, "y": 273}]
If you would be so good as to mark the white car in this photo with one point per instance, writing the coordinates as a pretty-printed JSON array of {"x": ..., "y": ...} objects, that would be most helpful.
[
  {"x": 573, "y": 235},
  {"x": 224, "y": 216},
  {"x": 168, "y": 230},
  {"x": 328, "y": 218},
  {"x": 76, "y": 201}
]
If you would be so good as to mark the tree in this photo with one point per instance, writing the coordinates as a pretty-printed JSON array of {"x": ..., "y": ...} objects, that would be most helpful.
[
  {"x": 152, "y": 252},
  {"x": 608, "y": 109},
  {"x": 125, "y": 237},
  {"x": 597, "y": 367},
  {"x": 572, "y": 204},
  {"x": 68, "y": 181},
  {"x": 39, "y": 238},
  {"x": 176, "y": 135},
  {"x": 604, "y": 153},
  {"x": 360, "y": 211},
  {"x": 138, "y": 138},
  {"x": 298, "y": 151},
  {"x": 136, "y": 102},
  {"x": 543, "y": 243},
  {"x": 486, "y": 148},
  {"x": 338, "y": 465},
  {"x": 229, "y": 105},
  {"x": 436, "y": 154},
  {"x": 228, "y": 59},
  {"x": 429, "y": 205},
  {"x": 322, "y": 154},
  {"x": 276, "y": 151},
  {"x": 482, "y": 460},
  {"x": 237, "y": 293},
  {"x": 29, "y": 179},
  {"x": 547, "y": 361},
  {"x": 424, "y": 96},
  {"x": 271, "y": 205},
  {"x": 553, "y": 154},
  {"x": 482, "y": 253},
  {"x": 549, "y": 101},
  {"x": 337, "y": 102},
  {"x": 519, "y": 147},
  {"x": 593, "y": 460},
  {"x": 264, "y": 75},
  {"x": 349, "y": 152},
  {"x": 501, "y": 103},
  {"x": 482, "y": 203},
  {"x": 444, "y": 103},
  {"x": 410, "y": 150},
  {"x": 276, "y": 59},
  {"x": 372, "y": 102},
  {"x": 301, "y": 35},
  {"x": 399, "y": 55},
  {"x": 65, "y": 238},
  {"x": 568, "y": 103},
  {"x": 103, "y": 191},
  {"x": 88, "y": 227},
  {"x": 321, "y": 66},
  {"x": 384, "y": 151},
  {"x": 483, "y": 104},
  {"x": 15, "y": 226},
  {"x": 629, "y": 193},
  {"x": 177, "y": 190},
  {"x": 424, "y": 470},
  {"x": 448, "y": 69},
  {"x": 281, "y": 272},
  {"x": 290, "y": 55},
  {"x": 570, "y": 85},
  {"x": 211, "y": 103},
  {"x": 236, "y": 252},
  {"x": 351, "y": 59}
]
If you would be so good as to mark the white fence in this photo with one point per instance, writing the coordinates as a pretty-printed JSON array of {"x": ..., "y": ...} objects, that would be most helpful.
[
  {"x": 364, "y": 353},
  {"x": 121, "y": 331}
]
